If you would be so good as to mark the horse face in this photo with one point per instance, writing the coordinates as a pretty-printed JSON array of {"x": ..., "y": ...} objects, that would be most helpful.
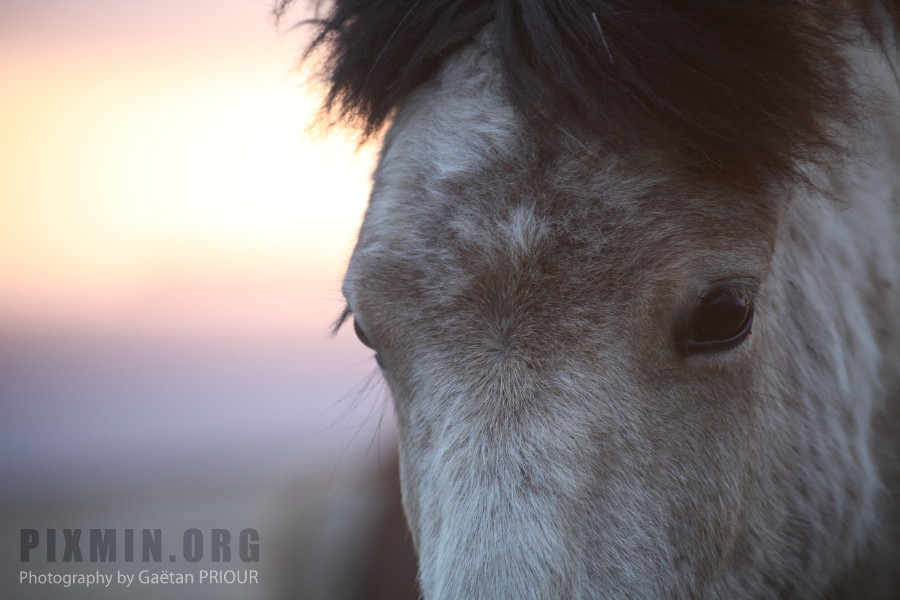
[{"x": 610, "y": 380}]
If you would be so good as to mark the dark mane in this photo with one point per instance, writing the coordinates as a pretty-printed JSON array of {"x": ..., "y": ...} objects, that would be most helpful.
[{"x": 741, "y": 89}]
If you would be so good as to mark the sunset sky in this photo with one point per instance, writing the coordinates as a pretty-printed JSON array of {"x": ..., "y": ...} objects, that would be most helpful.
[
  {"x": 172, "y": 240},
  {"x": 154, "y": 158}
]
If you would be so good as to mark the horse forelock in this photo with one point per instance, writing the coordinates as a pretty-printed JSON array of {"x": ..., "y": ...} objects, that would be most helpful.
[{"x": 739, "y": 91}]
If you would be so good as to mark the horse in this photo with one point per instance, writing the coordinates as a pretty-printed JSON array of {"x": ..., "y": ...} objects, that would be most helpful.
[{"x": 631, "y": 270}]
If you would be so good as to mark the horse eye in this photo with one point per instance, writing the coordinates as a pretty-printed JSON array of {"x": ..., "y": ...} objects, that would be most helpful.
[
  {"x": 721, "y": 321},
  {"x": 362, "y": 335},
  {"x": 366, "y": 341}
]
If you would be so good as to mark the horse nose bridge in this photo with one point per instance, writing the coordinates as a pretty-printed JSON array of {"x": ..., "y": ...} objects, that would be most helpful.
[
  {"x": 510, "y": 456},
  {"x": 495, "y": 455},
  {"x": 494, "y": 514}
]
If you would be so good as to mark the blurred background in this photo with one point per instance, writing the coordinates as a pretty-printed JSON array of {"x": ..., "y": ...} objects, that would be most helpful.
[{"x": 172, "y": 241}]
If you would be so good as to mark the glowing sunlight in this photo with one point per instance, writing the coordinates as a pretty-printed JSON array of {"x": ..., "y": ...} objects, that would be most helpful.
[{"x": 121, "y": 175}]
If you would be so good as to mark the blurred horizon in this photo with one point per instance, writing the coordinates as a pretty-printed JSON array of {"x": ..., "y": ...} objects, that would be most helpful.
[{"x": 172, "y": 241}]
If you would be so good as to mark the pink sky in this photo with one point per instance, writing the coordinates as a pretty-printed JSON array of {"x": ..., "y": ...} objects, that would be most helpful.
[
  {"x": 171, "y": 239},
  {"x": 155, "y": 168},
  {"x": 171, "y": 249}
]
